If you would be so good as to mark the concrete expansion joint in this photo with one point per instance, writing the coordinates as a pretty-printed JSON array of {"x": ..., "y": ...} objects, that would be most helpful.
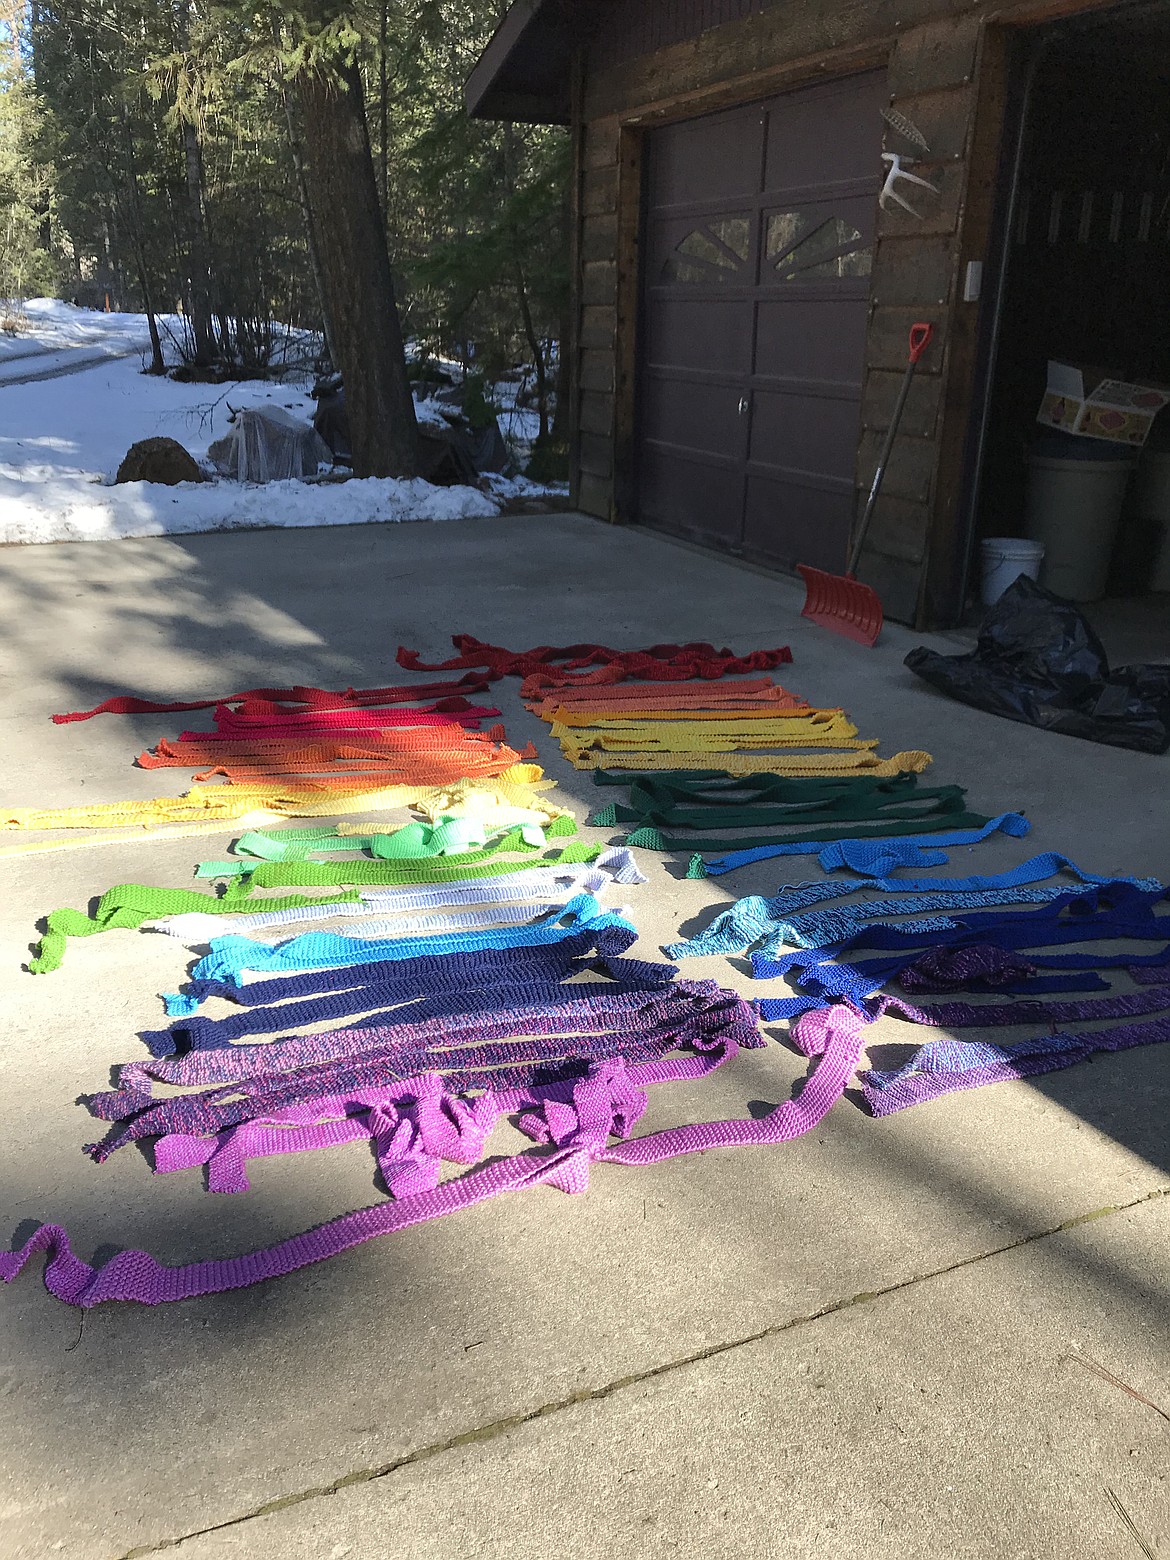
[{"x": 492, "y": 1431}]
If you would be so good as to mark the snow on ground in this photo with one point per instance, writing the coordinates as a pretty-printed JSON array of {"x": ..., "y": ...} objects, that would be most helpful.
[{"x": 63, "y": 438}]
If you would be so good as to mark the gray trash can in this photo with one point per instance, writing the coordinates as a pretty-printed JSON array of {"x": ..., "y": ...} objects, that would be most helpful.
[{"x": 1076, "y": 490}]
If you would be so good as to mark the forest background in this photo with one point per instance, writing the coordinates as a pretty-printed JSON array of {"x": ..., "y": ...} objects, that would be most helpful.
[{"x": 260, "y": 168}]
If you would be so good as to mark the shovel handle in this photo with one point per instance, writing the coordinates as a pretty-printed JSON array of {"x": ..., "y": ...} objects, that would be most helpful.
[{"x": 920, "y": 338}]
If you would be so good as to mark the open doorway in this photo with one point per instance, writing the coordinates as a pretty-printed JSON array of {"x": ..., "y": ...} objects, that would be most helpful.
[{"x": 1086, "y": 236}]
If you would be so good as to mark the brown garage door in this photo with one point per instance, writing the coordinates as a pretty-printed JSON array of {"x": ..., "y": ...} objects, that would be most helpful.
[{"x": 759, "y": 245}]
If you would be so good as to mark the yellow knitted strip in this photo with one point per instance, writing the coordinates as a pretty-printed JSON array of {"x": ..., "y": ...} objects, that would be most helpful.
[
  {"x": 776, "y": 745},
  {"x": 230, "y": 803},
  {"x": 252, "y": 820},
  {"x": 655, "y": 736},
  {"x": 816, "y": 764}
]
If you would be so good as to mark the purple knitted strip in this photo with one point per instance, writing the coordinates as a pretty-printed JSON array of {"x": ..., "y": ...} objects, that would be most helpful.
[
  {"x": 408, "y": 999},
  {"x": 371, "y": 1059},
  {"x": 236, "y": 1063},
  {"x": 967, "y": 1015},
  {"x": 910, "y": 1086},
  {"x": 578, "y": 1136}
]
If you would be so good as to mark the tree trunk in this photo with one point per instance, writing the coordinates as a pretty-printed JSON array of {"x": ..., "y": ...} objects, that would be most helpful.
[
  {"x": 198, "y": 251},
  {"x": 355, "y": 270},
  {"x": 157, "y": 362},
  {"x": 297, "y": 153},
  {"x": 537, "y": 349}
]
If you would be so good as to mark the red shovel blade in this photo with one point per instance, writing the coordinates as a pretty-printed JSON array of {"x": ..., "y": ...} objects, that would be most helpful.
[{"x": 842, "y": 604}]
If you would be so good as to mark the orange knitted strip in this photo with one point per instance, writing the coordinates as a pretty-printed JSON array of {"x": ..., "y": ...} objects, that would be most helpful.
[
  {"x": 440, "y": 769},
  {"x": 616, "y": 718},
  {"x": 189, "y": 755},
  {"x": 676, "y": 695}
]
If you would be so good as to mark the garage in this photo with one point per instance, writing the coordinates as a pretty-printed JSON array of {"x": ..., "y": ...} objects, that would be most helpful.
[{"x": 757, "y": 257}]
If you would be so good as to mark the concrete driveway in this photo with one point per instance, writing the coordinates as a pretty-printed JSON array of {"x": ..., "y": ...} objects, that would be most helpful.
[{"x": 855, "y": 1345}]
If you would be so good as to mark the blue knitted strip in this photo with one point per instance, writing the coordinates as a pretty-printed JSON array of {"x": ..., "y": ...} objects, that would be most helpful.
[
  {"x": 598, "y": 952},
  {"x": 231, "y": 956},
  {"x": 1127, "y": 914},
  {"x": 400, "y": 1000},
  {"x": 1037, "y": 869},
  {"x": 823, "y": 928},
  {"x": 759, "y": 921},
  {"x": 774, "y": 1010},
  {"x": 1014, "y": 824},
  {"x": 752, "y": 918}
]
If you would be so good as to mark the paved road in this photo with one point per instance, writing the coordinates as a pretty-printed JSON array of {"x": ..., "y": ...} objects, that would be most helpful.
[
  {"x": 65, "y": 361},
  {"x": 853, "y": 1345}
]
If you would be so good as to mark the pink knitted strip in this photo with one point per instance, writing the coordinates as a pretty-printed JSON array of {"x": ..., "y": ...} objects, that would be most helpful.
[{"x": 579, "y": 1134}]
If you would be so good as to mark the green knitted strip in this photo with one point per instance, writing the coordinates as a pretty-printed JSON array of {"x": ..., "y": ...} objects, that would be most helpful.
[
  {"x": 689, "y": 804},
  {"x": 128, "y": 905},
  {"x": 651, "y": 838},
  {"x": 391, "y": 874},
  {"x": 460, "y": 836}
]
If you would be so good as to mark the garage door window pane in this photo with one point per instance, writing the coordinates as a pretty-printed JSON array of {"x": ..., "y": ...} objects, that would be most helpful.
[
  {"x": 814, "y": 248},
  {"x": 713, "y": 253}
]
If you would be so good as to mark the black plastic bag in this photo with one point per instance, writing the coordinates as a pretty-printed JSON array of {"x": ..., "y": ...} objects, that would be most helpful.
[{"x": 1038, "y": 661}]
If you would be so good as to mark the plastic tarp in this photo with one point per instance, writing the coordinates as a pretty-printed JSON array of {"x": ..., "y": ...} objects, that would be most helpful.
[
  {"x": 268, "y": 444},
  {"x": 1037, "y": 660}
]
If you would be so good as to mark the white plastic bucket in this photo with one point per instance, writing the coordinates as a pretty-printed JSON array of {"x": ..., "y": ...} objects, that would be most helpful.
[
  {"x": 1074, "y": 508},
  {"x": 1151, "y": 504},
  {"x": 1004, "y": 559}
]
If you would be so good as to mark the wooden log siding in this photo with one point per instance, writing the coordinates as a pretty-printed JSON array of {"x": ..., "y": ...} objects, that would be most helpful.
[{"x": 934, "y": 52}]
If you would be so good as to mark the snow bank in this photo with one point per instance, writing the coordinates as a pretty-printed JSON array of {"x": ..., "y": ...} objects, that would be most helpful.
[
  {"x": 43, "y": 505},
  {"x": 62, "y": 440}
]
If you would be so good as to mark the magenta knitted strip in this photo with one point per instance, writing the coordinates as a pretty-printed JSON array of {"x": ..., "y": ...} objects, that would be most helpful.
[{"x": 576, "y": 1134}]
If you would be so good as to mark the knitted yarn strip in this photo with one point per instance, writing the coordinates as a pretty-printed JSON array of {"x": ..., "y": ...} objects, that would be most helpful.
[
  {"x": 750, "y": 919},
  {"x": 413, "y": 842},
  {"x": 515, "y": 786},
  {"x": 127, "y": 704},
  {"x": 231, "y": 957},
  {"x": 405, "y": 989},
  {"x": 128, "y": 905},
  {"x": 578, "y": 1132},
  {"x": 863, "y": 762},
  {"x": 753, "y": 691},
  {"x": 944, "y": 1066},
  {"x": 721, "y": 802},
  {"x": 659, "y": 663},
  {"x": 254, "y": 1079},
  {"x": 599, "y": 950},
  {"x": 1013, "y": 824}
]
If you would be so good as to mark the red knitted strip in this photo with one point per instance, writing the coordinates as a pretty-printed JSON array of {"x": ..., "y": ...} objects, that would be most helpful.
[
  {"x": 660, "y": 663},
  {"x": 309, "y": 697}
]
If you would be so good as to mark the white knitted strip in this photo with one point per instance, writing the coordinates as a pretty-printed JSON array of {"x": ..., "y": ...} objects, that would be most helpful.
[{"x": 197, "y": 927}]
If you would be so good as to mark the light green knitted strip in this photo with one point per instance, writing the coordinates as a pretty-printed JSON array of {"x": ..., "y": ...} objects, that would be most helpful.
[
  {"x": 390, "y": 874},
  {"x": 459, "y": 836},
  {"x": 128, "y": 905}
]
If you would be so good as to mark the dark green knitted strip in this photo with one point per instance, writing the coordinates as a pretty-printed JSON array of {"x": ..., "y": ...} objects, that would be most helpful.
[
  {"x": 650, "y": 838},
  {"x": 669, "y": 803},
  {"x": 128, "y": 905}
]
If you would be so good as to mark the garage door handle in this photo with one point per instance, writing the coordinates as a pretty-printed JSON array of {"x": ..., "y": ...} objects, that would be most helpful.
[{"x": 743, "y": 404}]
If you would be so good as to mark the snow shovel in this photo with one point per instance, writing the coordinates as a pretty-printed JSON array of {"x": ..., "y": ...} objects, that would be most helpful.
[{"x": 841, "y": 602}]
